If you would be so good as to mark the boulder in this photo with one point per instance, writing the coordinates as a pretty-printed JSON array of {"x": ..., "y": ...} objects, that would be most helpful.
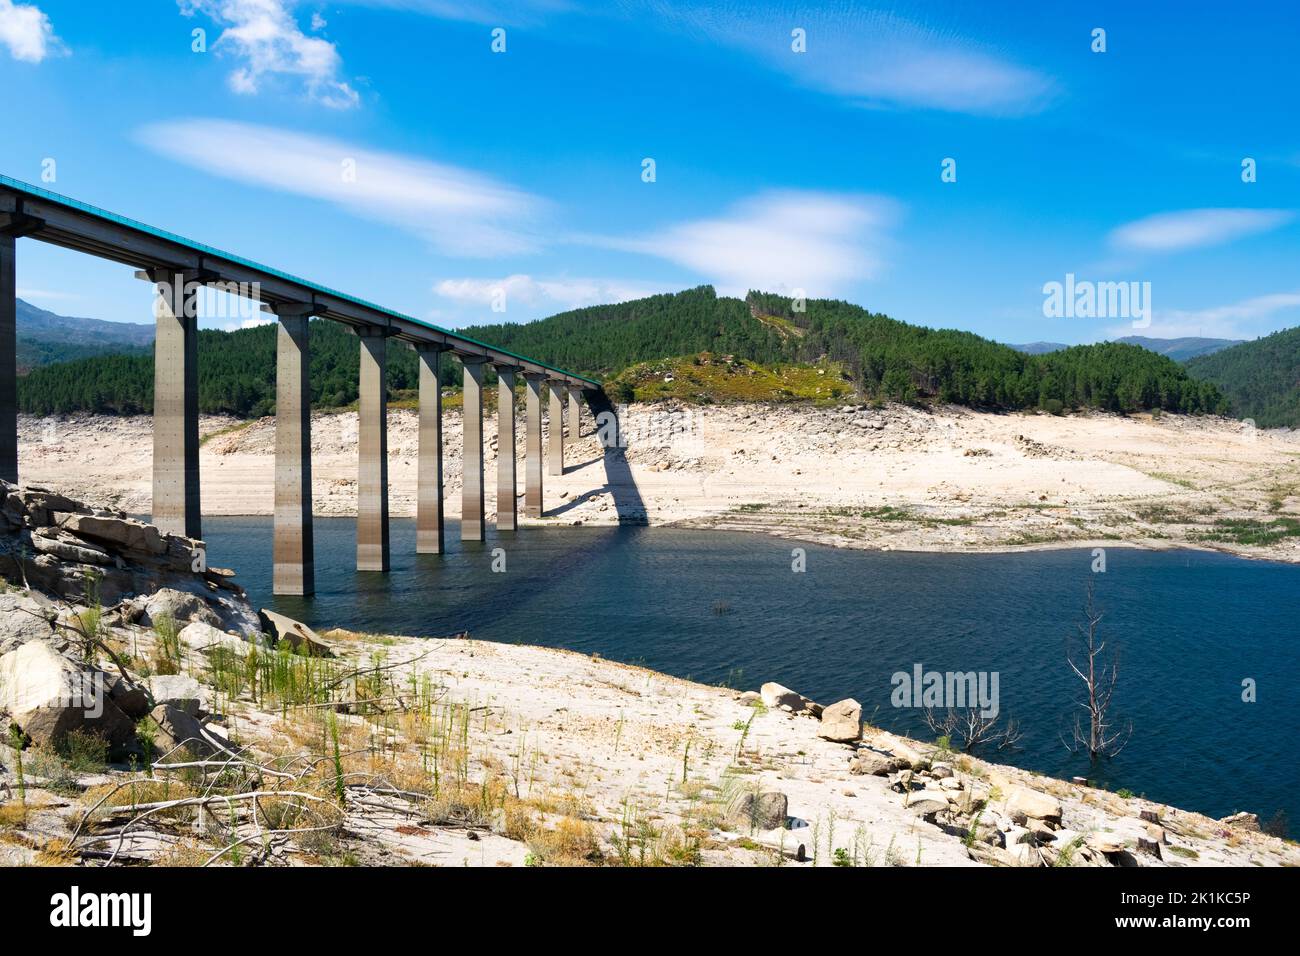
[
  {"x": 1033, "y": 804},
  {"x": 181, "y": 606},
  {"x": 236, "y": 615},
  {"x": 841, "y": 722},
  {"x": 989, "y": 855},
  {"x": 298, "y": 635},
  {"x": 131, "y": 698},
  {"x": 924, "y": 803},
  {"x": 900, "y": 749},
  {"x": 874, "y": 763},
  {"x": 774, "y": 695},
  {"x": 204, "y": 637},
  {"x": 48, "y": 696},
  {"x": 23, "y": 619},
  {"x": 760, "y": 811},
  {"x": 178, "y": 691},
  {"x": 179, "y": 735},
  {"x": 777, "y": 696},
  {"x": 1025, "y": 854},
  {"x": 118, "y": 534},
  {"x": 1105, "y": 842}
]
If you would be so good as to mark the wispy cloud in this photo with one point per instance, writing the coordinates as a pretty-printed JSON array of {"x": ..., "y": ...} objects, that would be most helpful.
[
  {"x": 1196, "y": 228},
  {"x": 871, "y": 57},
  {"x": 494, "y": 12},
  {"x": 461, "y": 212},
  {"x": 779, "y": 241},
  {"x": 47, "y": 295},
  {"x": 1246, "y": 319},
  {"x": 552, "y": 294},
  {"x": 264, "y": 35},
  {"x": 26, "y": 32}
]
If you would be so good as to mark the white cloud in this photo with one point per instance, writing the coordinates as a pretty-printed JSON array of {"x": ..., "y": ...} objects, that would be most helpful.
[
  {"x": 874, "y": 58},
  {"x": 779, "y": 241},
  {"x": 1246, "y": 319},
  {"x": 26, "y": 32},
  {"x": 553, "y": 294},
  {"x": 1196, "y": 228},
  {"x": 459, "y": 211},
  {"x": 265, "y": 35}
]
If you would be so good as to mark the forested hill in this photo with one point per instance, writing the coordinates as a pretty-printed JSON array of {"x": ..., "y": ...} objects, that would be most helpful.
[
  {"x": 881, "y": 357},
  {"x": 1261, "y": 379}
]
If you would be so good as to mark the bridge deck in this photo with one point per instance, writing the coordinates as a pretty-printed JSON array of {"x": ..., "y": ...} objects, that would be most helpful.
[{"x": 76, "y": 225}]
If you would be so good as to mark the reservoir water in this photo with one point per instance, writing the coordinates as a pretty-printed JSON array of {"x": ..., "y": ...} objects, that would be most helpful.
[{"x": 719, "y": 607}]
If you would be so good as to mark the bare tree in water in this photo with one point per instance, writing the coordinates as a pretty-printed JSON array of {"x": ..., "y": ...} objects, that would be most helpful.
[{"x": 1098, "y": 735}]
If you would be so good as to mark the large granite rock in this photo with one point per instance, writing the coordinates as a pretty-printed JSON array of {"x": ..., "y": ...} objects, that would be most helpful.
[
  {"x": 841, "y": 721},
  {"x": 48, "y": 696},
  {"x": 181, "y": 606},
  {"x": 24, "y": 619}
]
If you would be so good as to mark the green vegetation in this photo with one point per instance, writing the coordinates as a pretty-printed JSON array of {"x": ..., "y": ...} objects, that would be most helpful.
[
  {"x": 1250, "y": 531},
  {"x": 692, "y": 345},
  {"x": 1259, "y": 378}
]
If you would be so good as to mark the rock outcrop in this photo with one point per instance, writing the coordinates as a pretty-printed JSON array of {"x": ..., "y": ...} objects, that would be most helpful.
[{"x": 81, "y": 554}]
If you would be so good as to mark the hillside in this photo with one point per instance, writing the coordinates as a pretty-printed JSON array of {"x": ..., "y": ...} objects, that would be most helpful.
[
  {"x": 878, "y": 357},
  {"x": 1261, "y": 379},
  {"x": 46, "y": 337}
]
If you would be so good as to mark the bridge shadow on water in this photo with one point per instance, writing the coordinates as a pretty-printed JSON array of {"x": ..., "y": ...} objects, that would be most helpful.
[{"x": 481, "y": 587}]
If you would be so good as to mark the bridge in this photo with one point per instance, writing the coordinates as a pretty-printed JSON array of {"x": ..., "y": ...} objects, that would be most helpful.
[{"x": 180, "y": 270}]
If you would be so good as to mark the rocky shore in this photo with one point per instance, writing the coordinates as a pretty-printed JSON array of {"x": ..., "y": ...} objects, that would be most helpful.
[{"x": 152, "y": 716}]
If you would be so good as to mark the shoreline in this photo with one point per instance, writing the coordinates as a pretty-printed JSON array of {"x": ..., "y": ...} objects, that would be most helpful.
[{"x": 891, "y": 479}]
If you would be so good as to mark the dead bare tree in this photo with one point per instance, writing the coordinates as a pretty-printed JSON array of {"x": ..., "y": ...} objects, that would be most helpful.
[
  {"x": 968, "y": 730},
  {"x": 1099, "y": 674}
]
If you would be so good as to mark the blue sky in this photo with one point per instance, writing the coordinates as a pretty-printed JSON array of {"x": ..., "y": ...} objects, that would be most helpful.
[{"x": 522, "y": 171}]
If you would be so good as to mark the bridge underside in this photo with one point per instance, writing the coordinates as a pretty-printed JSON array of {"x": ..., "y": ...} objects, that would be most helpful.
[{"x": 179, "y": 269}]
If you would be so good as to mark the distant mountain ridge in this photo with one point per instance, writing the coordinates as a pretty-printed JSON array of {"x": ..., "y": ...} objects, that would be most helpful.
[
  {"x": 1180, "y": 349},
  {"x": 45, "y": 337},
  {"x": 1040, "y": 348}
]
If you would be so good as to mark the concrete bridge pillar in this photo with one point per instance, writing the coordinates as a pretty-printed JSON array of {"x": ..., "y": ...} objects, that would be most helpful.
[
  {"x": 428, "y": 501},
  {"x": 575, "y": 414},
  {"x": 372, "y": 451},
  {"x": 471, "y": 508},
  {"x": 294, "y": 568},
  {"x": 8, "y": 359},
  {"x": 176, "y": 401},
  {"x": 556, "y": 457},
  {"x": 533, "y": 456},
  {"x": 506, "y": 511}
]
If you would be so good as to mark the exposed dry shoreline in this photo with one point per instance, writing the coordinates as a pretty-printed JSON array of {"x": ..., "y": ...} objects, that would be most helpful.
[{"x": 895, "y": 478}]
